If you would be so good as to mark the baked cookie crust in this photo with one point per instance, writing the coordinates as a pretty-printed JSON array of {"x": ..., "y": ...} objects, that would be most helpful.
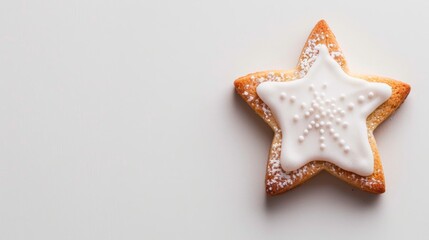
[{"x": 276, "y": 179}]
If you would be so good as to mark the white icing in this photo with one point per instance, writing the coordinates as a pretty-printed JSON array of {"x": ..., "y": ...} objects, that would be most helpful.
[{"x": 323, "y": 116}]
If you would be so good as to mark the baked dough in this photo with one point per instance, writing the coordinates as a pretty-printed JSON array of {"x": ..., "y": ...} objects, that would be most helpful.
[{"x": 277, "y": 180}]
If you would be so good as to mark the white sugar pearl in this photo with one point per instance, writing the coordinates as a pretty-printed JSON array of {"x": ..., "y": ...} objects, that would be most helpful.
[
  {"x": 361, "y": 98},
  {"x": 303, "y": 105},
  {"x": 350, "y": 106},
  {"x": 322, "y": 138},
  {"x": 345, "y": 124},
  {"x": 346, "y": 149},
  {"x": 283, "y": 96},
  {"x": 336, "y": 136},
  {"x": 322, "y": 131},
  {"x": 328, "y": 123},
  {"x": 312, "y": 122},
  {"x": 315, "y": 105},
  {"x": 322, "y": 123},
  {"x": 322, "y": 146},
  {"x": 317, "y": 116},
  {"x": 292, "y": 99},
  {"x": 307, "y": 114},
  {"x": 311, "y": 87},
  {"x": 324, "y": 85},
  {"x": 343, "y": 113},
  {"x": 338, "y": 120},
  {"x": 317, "y": 125},
  {"x": 342, "y": 97},
  {"x": 310, "y": 126},
  {"x": 331, "y": 130},
  {"x": 370, "y": 95},
  {"x": 295, "y": 118},
  {"x": 311, "y": 110},
  {"x": 305, "y": 132},
  {"x": 301, "y": 138},
  {"x": 342, "y": 142}
]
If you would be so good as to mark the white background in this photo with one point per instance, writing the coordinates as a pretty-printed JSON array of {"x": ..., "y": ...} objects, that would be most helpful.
[{"x": 118, "y": 120}]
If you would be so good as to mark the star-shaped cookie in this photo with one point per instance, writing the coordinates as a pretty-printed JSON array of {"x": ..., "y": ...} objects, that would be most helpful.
[{"x": 323, "y": 116}]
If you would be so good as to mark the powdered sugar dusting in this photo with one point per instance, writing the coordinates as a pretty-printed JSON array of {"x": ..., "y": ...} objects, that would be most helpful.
[{"x": 279, "y": 180}]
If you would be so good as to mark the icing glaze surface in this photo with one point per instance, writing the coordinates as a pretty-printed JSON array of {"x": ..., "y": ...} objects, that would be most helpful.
[{"x": 322, "y": 116}]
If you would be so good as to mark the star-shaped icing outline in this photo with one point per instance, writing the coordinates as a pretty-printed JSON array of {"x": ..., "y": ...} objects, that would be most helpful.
[{"x": 276, "y": 179}]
